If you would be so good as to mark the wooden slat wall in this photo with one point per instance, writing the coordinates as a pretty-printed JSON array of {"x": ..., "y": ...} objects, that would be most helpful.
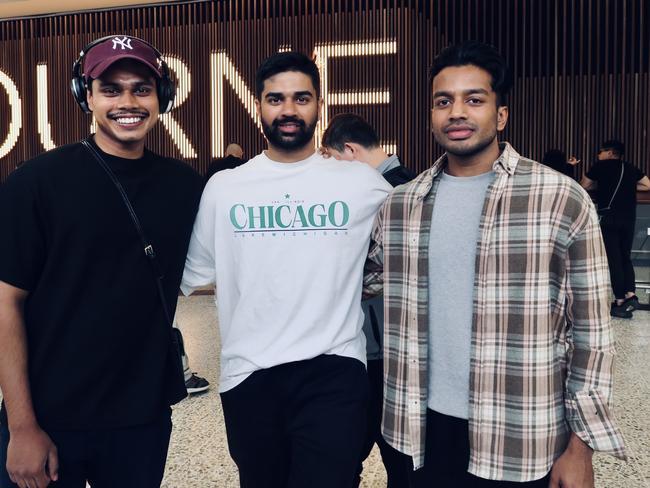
[
  {"x": 580, "y": 66},
  {"x": 581, "y": 69}
]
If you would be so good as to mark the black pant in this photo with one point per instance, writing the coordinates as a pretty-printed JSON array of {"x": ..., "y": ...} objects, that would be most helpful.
[
  {"x": 397, "y": 464},
  {"x": 618, "y": 234},
  {"x": 298, "y": 425},
  {"x": 131, "y": 457},
  {"x": 446, "y": 458}
]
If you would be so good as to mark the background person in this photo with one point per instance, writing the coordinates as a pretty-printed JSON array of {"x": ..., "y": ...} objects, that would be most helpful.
[
  {"x": 232, "y": 159},
  {"x": 349, "y": 137},
  {"x": 617, "y": 206},
  {"x": 557, "y": 160},
  {"x": 193, "y": 382}
]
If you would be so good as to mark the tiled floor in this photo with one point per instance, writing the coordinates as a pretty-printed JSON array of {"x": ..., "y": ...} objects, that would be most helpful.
[{"x": 198, "y": 454}]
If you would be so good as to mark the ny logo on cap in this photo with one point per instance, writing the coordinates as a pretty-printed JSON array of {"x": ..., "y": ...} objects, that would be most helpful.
[{"x": 124, "y": 43}]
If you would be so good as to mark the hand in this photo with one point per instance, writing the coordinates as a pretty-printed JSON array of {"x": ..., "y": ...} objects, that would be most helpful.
[
  {"x": 573, "y": 469},
  {"x": 32, "y": 459},
  {"x": 573, "y": 161}
]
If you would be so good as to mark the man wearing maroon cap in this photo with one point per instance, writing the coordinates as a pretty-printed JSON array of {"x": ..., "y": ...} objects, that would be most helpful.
[{"x": 87, "y": 367}]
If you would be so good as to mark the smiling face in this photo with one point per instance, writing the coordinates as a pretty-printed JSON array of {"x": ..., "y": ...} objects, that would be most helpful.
[
  {"x": 289, "y": 108},
  {"x": 465, "y": 118},
  {"x": 125, "y": 105}
]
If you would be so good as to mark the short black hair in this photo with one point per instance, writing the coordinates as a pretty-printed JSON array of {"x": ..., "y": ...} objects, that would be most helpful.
[
  {"x": 283, "y": 62},
  {"x": 482, "y": 56},
  {"x": 554, "y": 158},
  {"x": 349, "y": 128},
  {"x": 614, "y": 145}
]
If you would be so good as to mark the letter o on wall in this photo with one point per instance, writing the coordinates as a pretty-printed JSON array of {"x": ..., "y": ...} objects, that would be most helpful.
[{"x": 16, "y": 121}]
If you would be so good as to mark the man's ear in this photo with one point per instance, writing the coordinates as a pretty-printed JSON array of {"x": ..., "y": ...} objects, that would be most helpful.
[
  {"x": 502, "y": 117},
  {"x": 258, "y": 109},
  {"x": 90, "y": 100},
  {"x": 351, "y": 149}
]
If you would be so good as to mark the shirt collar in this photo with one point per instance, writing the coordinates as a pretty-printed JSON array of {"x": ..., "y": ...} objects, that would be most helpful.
[
  {"x": 388, "y": 164},
  {"x": 506, "y": 162}
]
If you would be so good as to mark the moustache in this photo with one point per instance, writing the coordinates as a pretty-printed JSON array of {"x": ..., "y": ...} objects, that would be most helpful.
[
  {"x": 288, "y": 120},
  {"x": 115, "y": 115}
]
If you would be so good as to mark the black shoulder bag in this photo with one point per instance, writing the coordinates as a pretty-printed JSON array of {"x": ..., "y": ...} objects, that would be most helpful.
[{"x": 175, "y": 390}]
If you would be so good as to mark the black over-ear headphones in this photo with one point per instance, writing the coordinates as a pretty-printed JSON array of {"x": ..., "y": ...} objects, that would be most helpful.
[{"x": 164, "y": 86}]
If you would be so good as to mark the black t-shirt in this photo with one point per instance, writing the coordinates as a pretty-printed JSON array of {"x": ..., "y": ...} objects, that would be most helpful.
[
  {"x": 607, "y": 174},
  {"x": 98, "y": 341}
]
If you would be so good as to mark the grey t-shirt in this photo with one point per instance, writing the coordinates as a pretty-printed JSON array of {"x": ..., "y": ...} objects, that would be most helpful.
[{"x": 452, "y": 253}]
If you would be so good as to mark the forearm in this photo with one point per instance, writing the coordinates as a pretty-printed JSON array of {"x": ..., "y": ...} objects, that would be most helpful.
[
  {"x": 643, "y": 184},
  {"x": 14, "y": 381},
  {"x": 587, "y": 183}
]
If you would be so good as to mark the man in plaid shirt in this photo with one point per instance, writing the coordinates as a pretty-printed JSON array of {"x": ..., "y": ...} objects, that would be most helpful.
[{"x": 498, "y": 345}]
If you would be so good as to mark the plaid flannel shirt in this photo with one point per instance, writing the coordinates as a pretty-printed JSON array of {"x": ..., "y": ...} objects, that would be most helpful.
[{"x": 542, "y": 345}]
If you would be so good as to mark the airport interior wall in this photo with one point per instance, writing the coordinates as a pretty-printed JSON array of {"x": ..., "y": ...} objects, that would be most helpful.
[{"x": 581, "y": 70}]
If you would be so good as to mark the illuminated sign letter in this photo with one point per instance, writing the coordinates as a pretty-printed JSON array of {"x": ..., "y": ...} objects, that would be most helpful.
[
  {"x": 44, "y": 127},
  {"x": 221, "y": 67},
  {"x": 324, "y": 52},
  {"x": 16, "y": 122},
  {"x": 182, "y": 92}
]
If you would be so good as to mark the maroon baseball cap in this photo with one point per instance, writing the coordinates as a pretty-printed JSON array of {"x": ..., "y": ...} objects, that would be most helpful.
[{"x": 104, "y": 54}]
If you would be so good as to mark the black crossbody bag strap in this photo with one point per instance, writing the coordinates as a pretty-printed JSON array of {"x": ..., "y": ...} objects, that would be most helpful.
[
  {"x": 175, "y": 389},
  {"x": 620, "y": 179},
  {"x": 146, "y": 244}
]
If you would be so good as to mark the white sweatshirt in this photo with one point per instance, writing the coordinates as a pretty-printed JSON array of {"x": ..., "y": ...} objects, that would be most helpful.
[{"x": 285, "y": 244}]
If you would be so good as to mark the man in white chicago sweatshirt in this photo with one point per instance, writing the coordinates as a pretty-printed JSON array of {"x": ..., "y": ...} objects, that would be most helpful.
[{"x": 284, "y": 237}]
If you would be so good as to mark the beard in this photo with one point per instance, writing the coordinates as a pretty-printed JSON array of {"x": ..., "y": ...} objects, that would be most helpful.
[
  {"x": 289, "y": 142},
  {"x": 466, "y": 148}
]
